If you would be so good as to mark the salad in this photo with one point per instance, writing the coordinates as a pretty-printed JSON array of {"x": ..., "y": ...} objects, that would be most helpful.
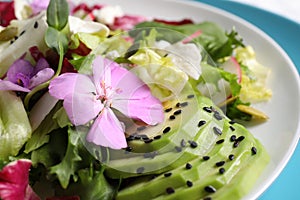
[{"x": 99, "y": 104}]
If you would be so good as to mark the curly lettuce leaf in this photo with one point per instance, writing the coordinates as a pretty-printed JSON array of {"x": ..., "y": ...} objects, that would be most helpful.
[
  {"x": 254, "y": 76},
  {"x": 213, "y": 38},
  {"x": 91, "y": 184},
  {"x": 68, "y": 166}
]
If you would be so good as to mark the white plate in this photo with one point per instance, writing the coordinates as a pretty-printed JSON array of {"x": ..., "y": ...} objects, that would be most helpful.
[{"x": 279, "y": 134}]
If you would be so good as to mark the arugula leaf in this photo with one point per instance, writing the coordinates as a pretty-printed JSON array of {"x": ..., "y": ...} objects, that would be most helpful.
[
  {"x": 52, "y": 152},
  {"x": 68, "y": 166},
  {"x": 213, "y": 38},
  {"x": 40, "y": 136},
  {"x": 57, "y": 14},
  {"x": 92, "y": 184}
]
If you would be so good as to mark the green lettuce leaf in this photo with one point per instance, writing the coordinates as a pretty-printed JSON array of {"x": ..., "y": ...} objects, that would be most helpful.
[
  {"x": 15, "y": 127},
  {"x": 213, "y": 38},
  {"x": 92, "y": 184},
  {"x": 69, "y": 165}
]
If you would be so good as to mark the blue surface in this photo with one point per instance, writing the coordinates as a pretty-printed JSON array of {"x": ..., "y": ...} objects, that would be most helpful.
[{"x": 286, "y": 33}]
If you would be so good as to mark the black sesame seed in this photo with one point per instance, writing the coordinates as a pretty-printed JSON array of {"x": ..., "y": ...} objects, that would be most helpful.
[
  {"x": 130, "y": 138},
  {"x": 36, "y": 25},
  {"x": 22, "y": 32},
  {"x": 190, "y": 96},
  {"x": 231, "y": 157},
  {"x": 172, "y": 117},
  {"x": 170, "y": 190},
  {"x": 137, "y": 137},
  {"x": 189, "y": 183},
  {"x": 236, "y": 144},
  {"x": 241, "y": 138},
  {"x": 11, "y": 42},
  {"x": 183, "y": 104},
  {"x": 150, "y": 154},
  {"x": 217, "y": 131},
  {"x": 147, "y": 141},
  {"x": 182, "y": 143},
  {"x": 157, "y": 137},
  {"x": 219, "y": 164},
  {"x": 167, "y": 129},
  {"x": 128, "y": 149},
  {"x": 254, "y": 150},
  {"x": 16, "y": 37},
  {"x": 144, "y": 137},
  {"x": 168, "y": 174},
  {"x": 232, "y": 128},
  {"x": 193, "y": 144},
  {"x": 140, "y": 170},
  {"x": 210, "y": 189},
  {"x": 233, "y": 138},
  {"x": 168, "y": 109},
  {"x": 141, "y": 128},
  {"x": 207, "y": 109},
  {"x": 205, "y": 157},
  {"x": 232, "y": 122},
  {"x": 213, "y": 109},
  {"x": 221, "y": 170},
  {"x": 188, "y": 166},
  {"x": 177, "y": 112},
  {"x": 201, "y": 123},
  {"x": 153, "y": 177},
  {"x": 220, "y": 141},
  {"x": 218, "y": 116},
  {"x": 178, "y": 149}
]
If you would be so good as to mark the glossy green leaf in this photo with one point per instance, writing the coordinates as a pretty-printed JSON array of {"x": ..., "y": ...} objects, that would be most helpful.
[
  {"x": 56, "y": 40},
  {"x": 57, "y": 14}
]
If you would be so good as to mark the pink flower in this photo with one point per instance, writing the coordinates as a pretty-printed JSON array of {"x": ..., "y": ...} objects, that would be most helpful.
[
  {"x": 96, "y": 97},
  {"x": 14, "y": 181}
]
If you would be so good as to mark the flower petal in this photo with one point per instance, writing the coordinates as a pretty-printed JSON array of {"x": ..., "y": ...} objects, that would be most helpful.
[
  {"x": 14, "y": 180},
  {"x": 134, "y": 98},
  {"x": 101, "y": 73},
  {"x": 20, "y": 68},
  {"x": 68, "y": 83},
  {"x": 107, "y": 131},
  {"x": 41, "y": 77},
  {"x": 7, "y": 85},
  {"x": 82, "y": 107},
  {"x": 40, "y": 65}
]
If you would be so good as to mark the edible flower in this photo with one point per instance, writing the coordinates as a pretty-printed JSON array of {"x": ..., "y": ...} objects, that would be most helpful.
[
  {"x": 23, "y": 76},
  {"x": 14, "y": 181},
  {"x": 97, "y": 96}
]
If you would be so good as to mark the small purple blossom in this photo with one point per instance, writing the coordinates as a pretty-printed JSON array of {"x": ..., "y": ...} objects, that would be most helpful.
[
  {"x": 23, "y": 76},
  {"x": 97, "y": 96}
]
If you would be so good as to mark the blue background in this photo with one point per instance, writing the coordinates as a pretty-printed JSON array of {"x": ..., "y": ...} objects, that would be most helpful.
[{"x": 287, "y": 34}]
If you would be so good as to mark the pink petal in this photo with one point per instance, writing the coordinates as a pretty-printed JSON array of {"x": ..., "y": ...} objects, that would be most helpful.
[
  {"x": 101, "y": 73},
  {"x": 68, "y": 83},
  {"x": 7, "y": 85},
  {"x": 41, "y": 77},
  {"x": 107, "y": 131},
  {"x": 20, "y": 66},
  {"x": 82, "y": 107},
  {"x": 14, "y": 180},
  {"x": 134, "y": 98}
]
